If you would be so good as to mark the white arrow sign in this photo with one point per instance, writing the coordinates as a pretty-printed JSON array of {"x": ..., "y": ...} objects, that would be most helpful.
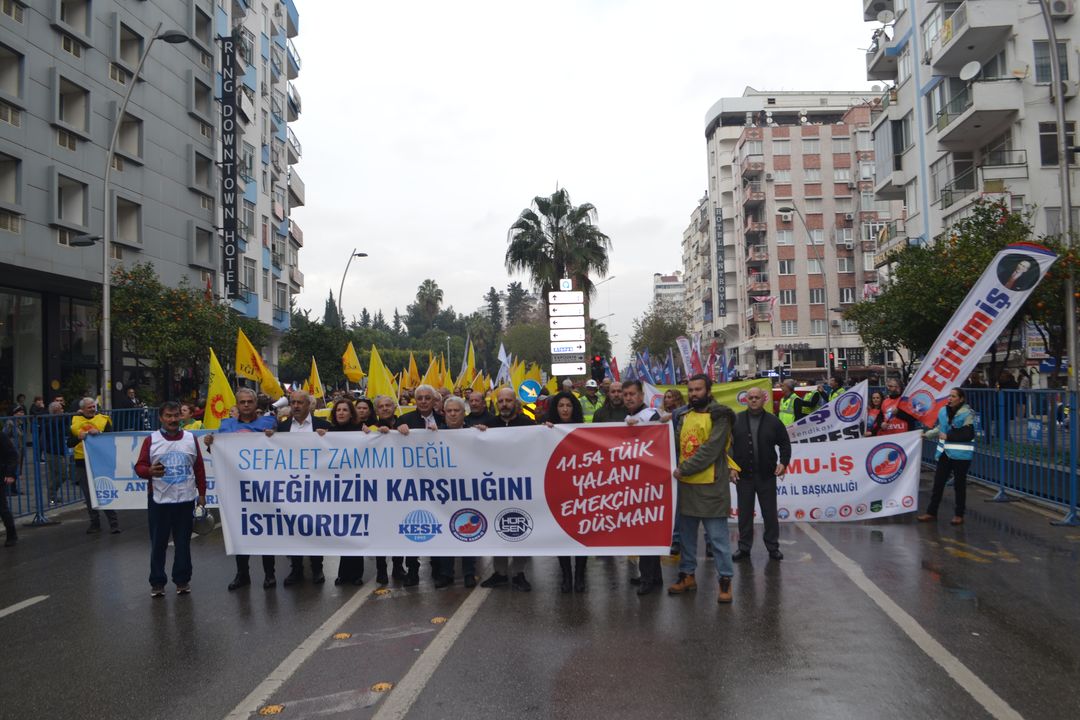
[
  {"x": 558, "y": 348},
  {"x": 556, "y": 298},
  {"x": 568, "y": 368},
  {"x": 563, "y": 335},
  {"x": 572, "y": 309},
  {"x": 567, "y": 322}
]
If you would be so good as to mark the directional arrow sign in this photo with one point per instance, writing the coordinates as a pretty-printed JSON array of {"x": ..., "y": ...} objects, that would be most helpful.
[
  {"x": 555, "y": 298},
  {"x": 576, "y": 321},
  {"x": 563, "y": 335},
  {"x": 559, "y": 348},
  {"x": 568, "y": 369},
  {"x": 568, "y": 357},
  {"x": 571, "y": 309}
]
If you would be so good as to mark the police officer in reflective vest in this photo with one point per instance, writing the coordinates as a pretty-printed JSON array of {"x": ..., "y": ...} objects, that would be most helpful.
[
  {"x": 955, "y": 432},
  {"x": 792, "y": 407},
  {"x": 590, "y": 400},
  {"x": 836, "y": 387}
]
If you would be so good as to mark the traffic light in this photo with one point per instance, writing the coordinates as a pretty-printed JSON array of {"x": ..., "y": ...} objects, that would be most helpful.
[
  {"x": 832, "y": 359},
  {"x": 597, "y": 370},
  {"x": 843, "y": 364}
]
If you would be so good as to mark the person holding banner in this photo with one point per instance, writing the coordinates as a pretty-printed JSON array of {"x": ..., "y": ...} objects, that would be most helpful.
[
  {"x": 704, "y": 486},
  {"x": 650, "y": 576},
  {"x": 385, "y": 418},
  {"x": 590, "y": 400},
  {"x": 85, "y": 423},
  {"x": 564, "y": 408},
  {"x": 955, "y": 432},
  {"x": 873, "y": 412},
  {"x": 365, "y": 412},
  {"x": 836, "y": 387},
  {"x": 762, "y": 450},
  {"x": 442, "y": 568},
  {"x": 171, "y": 463},
  {"x": 343, "y": 418},
  {"x": 893, "y": 418},
  {"x": 613, "y": 409},
  {"x": 248, "y": 419},
  {"x": 478, "y": 411},
  {"x": 424, "y": 416}
]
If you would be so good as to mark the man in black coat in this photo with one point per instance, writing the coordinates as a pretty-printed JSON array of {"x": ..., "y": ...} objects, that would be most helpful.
[
  {"x": 301, "y": 420},
  {"x": 424, "y": 416},
  {"x": 761, "y": 449}
]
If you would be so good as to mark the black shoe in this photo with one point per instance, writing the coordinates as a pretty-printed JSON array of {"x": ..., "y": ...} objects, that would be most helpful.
[
  {"x": 496, "y": 580},
  {"x": 339, "y": 582},
  {"x": 635, "y": 581},
  {"x": 381, "y": 579},
  {"x": 647, "y": 587},
  {"x": 317, "y": 577},
  {"x": 520, "y": 583},
  {"x": 240, "y": 581},
  {"x": 740, "y": 554},
  {"x": 412, "y": 578},
  {"x": 114, "y": 529},
  {"x": 579, "y": 585},
  {"x": 12, "y": 541},
  {"x": 398, "y": 573},
  {"x": 269, "y": 581},
  {"x": 776, "y": 554},
  {"x": 358, "y": 582},
  {"x": 442, "y": 581},
  {"x": 470, "y": 581},
  {"x": 296, "y": 576},
  {"x": 567, "y": 582},
  {"x": 93, "y": 530}
]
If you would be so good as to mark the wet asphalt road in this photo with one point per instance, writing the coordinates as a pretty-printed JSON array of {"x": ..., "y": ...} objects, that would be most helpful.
[{"x": 1001, "y": 595}]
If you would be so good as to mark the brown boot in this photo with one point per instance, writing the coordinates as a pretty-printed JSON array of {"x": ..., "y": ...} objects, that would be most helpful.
[
  {"x": 957, "y": 520},
  {"x": 686, "y": 583},
  {"x": 725, "y": 591}
]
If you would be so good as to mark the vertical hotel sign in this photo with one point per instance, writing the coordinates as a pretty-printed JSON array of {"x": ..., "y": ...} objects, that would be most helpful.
[
  {"x": 230, "y": 255},
  {"x": 721, "y": 287}
]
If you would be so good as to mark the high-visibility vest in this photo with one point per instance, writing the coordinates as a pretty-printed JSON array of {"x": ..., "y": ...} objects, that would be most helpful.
[
  {"x": 787, "y": 409},
  {"x": 589, "y": 407},
  {"x": 955, "y": 449},
  {"x": 836, "y": 393}
]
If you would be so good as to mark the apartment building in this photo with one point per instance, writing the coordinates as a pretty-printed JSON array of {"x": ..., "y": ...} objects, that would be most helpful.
[
  {"x": 669, "y": 288},
  {"x": 968, "y": 112},
  {"x": 787, "y": 235},
  {"x": 65, "y": 67}
]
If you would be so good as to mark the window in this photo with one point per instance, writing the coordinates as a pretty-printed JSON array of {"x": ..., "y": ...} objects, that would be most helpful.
[
  {"x": 842, "y": 205},
  {"x": 71, "y": 46},
  {"x": 817, "y": 296},
  {"x": 787, "y": 297},
  {"x": 813, "y": 267},
  {"x": 10, "y": 114},
  {"x": 785, "y": 237},
  {"x": 265, "y": 231},
  {"x": 118, "y": 74},
  {"x": 11, "y": 72},
  {"x": 207, "y": 203},
  {"x": 1042, "y": 60},
  {"x": 66, "y": 140},
  {"x": 206, "y": 130},
  {"x": 75, "y": 14},
  {"x": 845, "y": 265},
  {"x": 128, "y": 222},
  {"x": 786, "y": 267},
  {"x": 71, "y": 205},
  {"x": 265, "y": 284},
  {"x": 248, "y": 229},
  {"x": 848, "y": 327},
  {"x": 203, "y": 172},
  {"x": 817, "y": 236},
  {"x": 901, "y": 134},
  {"x": 781, "y": 147},
  {"x": 864, "y": 141},
  {"x": 903, "y": 65},
  {"x": 281, "y": 297},
  {"x": 204, "y": 248},
  {"x": 868, "y": 262},
  {"x": 203, "y": 99},
  {"x": 13, "y": 10},
  {"x": 10, "y": 222},
  {"x": 1048, "y": 151},
  {"x": 781, "y": 176},
  {"x": 866, "y": 171},
  {"x": 841, "y": 175},
  {"x": 129, "y": 47},
  {"x": 203, "y": 27},
  {"x": 845, "y": 235},
  {"x": 817, "y": 327},
  {"x": 65, "y": 236},
  {"x": 811, "y": 146},
  {"x": 789, "y": 327},
  {"x": 911, "y": 197},
  {"x": 73, "y": 105},
  {"x": 867, "y": 200},
  {"x": 841, "y": 146},
  {"x": 847, "y": 294},
  {"x": 871, "y": 230},
  {"x": 130, "y": 136},
  {"x": 750, "y": 147},
  {"x": 813, "y": 205},
  {"x": 249, "y": 278},
  {"x": 812, "y": 175},
  {"x": 9, "y": 179}
]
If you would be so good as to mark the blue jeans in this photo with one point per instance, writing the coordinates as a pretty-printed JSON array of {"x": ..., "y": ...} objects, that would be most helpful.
[
  {"x": 716, "y": 534},
  {"x": 175, "y": 520}
]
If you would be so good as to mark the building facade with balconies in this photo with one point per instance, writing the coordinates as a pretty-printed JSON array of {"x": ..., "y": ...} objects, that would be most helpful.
[
  {"x": 669, "y": 288},
  {"x": 968, "y": 112},
  {"x": 65, "y": 66},
  {"x": 788, "y": 274}
]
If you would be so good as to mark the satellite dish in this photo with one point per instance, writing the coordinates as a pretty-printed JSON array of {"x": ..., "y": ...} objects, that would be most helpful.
[
  {"x": 886, "y": 16},
  {"x": 970, "y": 71}
]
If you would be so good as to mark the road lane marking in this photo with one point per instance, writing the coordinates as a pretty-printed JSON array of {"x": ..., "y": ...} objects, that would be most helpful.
[
  {"x": 964, "y": 677},
  {"x": 297, "y": 657},
  {"x": 401, "y": 698},
  {"x": 12, "y": 609},
  {"x": 333, "y": 704},
  {"x": 392, "y": 633}
]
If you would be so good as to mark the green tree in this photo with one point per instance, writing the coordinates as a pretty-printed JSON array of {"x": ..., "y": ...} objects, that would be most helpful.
[
  {"x": 494, "y": 308},
  {"x": 399, "y": 323},
  {"x": 365, "y": 318},
  {"x": 554, "y": 239},
  {"x": 598, "y": 339},
  {"x": 331, "y": 314},
  {"x": 379, "y": 322},
  {"x": 519, "y": 304},
  {"x": 530, "y": 342},
  {"x": 658, "y": 328},
  {"x": 422, "y": 315}
]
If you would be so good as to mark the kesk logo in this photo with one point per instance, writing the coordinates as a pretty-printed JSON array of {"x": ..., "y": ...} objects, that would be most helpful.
[
  {"x": 783, "y": 513},
  {"x": 849, "y": 406},
  {"x": 886, "y": 462},
  {"x": 420, "y": 526},
  {"x": 104, "y": 490},
  {"x": 513, "y": 524},
  {"x": 468, "y": 525}
]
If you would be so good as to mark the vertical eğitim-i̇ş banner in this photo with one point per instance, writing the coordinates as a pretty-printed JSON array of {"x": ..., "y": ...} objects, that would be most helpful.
[
  {"x": 596, "y": 490},
  {"x": 981, "y": 318}
]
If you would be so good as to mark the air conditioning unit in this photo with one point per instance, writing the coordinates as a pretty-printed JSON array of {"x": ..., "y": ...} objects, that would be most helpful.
[
  {"x": 849, "y": 216},
  {"x": 852, "y": 185},
  {"x": 1062, "y": 9},
  {"x": 785, "y": 217},
  {"x": 768, "y": 177},
  {"x": 835, "y": 323}
]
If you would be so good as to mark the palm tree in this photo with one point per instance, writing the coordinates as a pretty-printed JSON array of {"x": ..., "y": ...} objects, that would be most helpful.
[
  {"x": 554, "y": 239},
  {"x": 429, "y": 297}
]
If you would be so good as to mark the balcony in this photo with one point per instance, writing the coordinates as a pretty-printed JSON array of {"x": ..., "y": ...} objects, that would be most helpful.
[
  {"x": 294, "y": 61},
  {"x": 1000, "y": 165},
  {"x": 760, "y": 312},
  {"x": 296, "y": 233},
  {"x": 758, "y": 283},
  {"x": 973, "y": 32},
  {"x": 280, "y": 314},
  {"x": 292, "y": 24},
  {"x": 757, "y": 254},
  {"x": 753, "y": 166},
  {"x": 296, "y": 189},
  {"x": 890, "y": 185},
  {"x": 295, "y": 151},
  {"x": 296, "y": 277},
  {"x": 978, "y": 114},
  {"x": 753, "y": 194},
  {"x": 882, "y": 57},
  {"x": 756, "y": 227},
  {"x": 294, "y": 103},
  {"x": 957, "y": 188}
]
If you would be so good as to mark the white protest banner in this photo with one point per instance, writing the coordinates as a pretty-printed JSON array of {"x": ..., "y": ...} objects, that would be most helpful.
[
  {"x": 110, "y": 469},
  {"x": 849, "y": 480},
  {"x": 603, "y": 489},
  {"x": 982, "y": 316},
  {"x": 841, "y": 419}
]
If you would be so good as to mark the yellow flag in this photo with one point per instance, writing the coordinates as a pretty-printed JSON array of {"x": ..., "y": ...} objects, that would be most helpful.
[
  {"x": 517, "y": 375},
  {"x": 350, "y": 364},
  {"x": 219, "y": 396},
  {"x": 413, "y": 376},
  {"x": 379, "y": 380},
  {"x": 480, "y": 383},
  {"x": 447, "y": 380},
  {"x": 533, "y": 373},
  {"x": 552, "y": 386},
  {"x": 313, "y": 384},
  {"x": 250, "y": 365}
]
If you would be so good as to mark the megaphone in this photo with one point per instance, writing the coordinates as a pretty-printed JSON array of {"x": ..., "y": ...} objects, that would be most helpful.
[{"x": 204, "y": 522}]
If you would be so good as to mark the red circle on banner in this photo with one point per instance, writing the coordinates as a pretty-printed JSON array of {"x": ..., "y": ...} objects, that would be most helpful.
[{"x": 608, "y": 487}]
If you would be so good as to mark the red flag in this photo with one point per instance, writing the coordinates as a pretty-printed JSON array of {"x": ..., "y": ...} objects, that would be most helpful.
[{"x": 614, "y": 365}]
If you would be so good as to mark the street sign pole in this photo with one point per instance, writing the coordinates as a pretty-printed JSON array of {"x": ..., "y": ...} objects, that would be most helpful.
[{"x": 566, "y": 319}]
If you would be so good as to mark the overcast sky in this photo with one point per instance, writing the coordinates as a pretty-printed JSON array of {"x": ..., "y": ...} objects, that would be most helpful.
[{"x": 428, "y": 126}]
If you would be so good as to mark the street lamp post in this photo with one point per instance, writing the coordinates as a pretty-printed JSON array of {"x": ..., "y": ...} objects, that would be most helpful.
[
  {"x": 170, "y": 36},
  {"x": 341, "y": 289},
  {"x": 825, "y": 283}
]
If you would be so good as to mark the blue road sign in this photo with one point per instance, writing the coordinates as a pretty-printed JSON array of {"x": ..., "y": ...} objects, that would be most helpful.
[{"x": 529, "y": 391}]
